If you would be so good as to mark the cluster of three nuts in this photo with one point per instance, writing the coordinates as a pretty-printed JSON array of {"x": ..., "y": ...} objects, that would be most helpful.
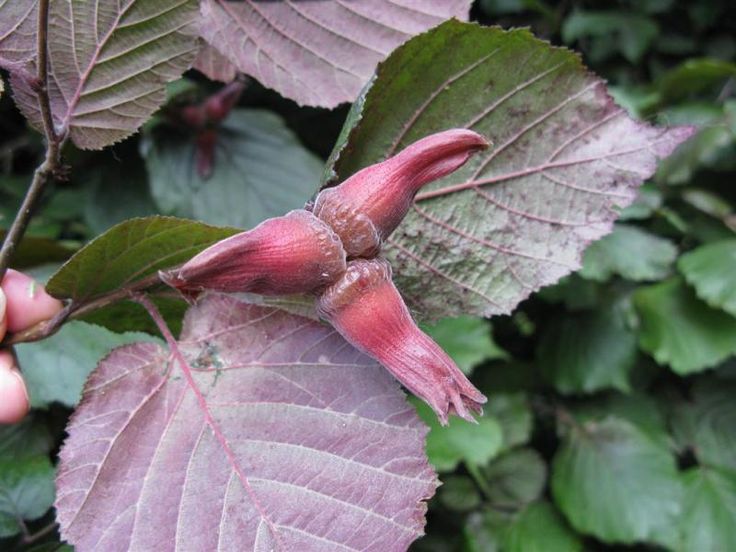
[{"x": 331, "y": 252}]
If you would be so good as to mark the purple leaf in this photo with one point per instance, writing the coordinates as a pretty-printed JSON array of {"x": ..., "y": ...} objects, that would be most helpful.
[
  {"x": 214, "y": 65},
  {"x": 109, "y": 63},
  {"x": 285, "y": 437},
  {"x": 18, "y": 21},
  {"x": 318, "y": 53}
]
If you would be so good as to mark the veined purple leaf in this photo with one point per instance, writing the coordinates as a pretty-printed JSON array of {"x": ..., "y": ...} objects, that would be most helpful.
[
  {"x": 213, "y": 64},
  {"x": 318, "y": 53},
  {"x": 280, "y": 437},
  {"x": 109, "y": 63},
  {"x": 565, "y": 159},
  {"x": 18, "y": 21}
]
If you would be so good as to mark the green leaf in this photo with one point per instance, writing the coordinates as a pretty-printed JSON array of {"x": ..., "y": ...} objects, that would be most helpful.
[
  {"x": 113, "y": 196},
  {"x": 712, "y": 423},
  {"x": 34, "y": 251},
  {"x": 128, "y": 316},
  {"x": 709, "y": 510},
  {"x": 645, "y": 204},
  {"x": 512, "y": 412},
  {"x": 613, "y": 482},
  {"x": 515, "y": 479},
  {"x": 260, "y": 171},
  {"x": 484, "y": 531},
  {"x": 56, "y": 368},
  {"x": 517, "y": 217},
  {"x": 29, "y": 437},
  {"x": 586, "y": 352},
  {"x": 540, "y": 528},
  {"x": 710, "y": 269},
  {"x": 128, "y": 253},
  {"x": 631, "y": 34},
  {"x": 702, "y": 150},
  {"x": 681, "y": 331},
  {"x": 460, "y": 441},
  {"x": 459, "y": 493},
  {"x": 467, "y": 339},
  {"x": 638, "y": 409},
  {"x": 694, "y": 76},
  {"x": 26, "y": 491},
  {"x": 707, "y": 202},
  {"x": 631, "y": 253}
]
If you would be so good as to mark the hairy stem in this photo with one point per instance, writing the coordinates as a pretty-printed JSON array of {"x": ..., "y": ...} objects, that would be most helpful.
[
  {"x": 53, "y": 146},
  {"x": 30, "y": 538}
]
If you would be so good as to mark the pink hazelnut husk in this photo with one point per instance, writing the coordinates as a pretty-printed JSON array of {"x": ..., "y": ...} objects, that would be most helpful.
[
  {"x": 369, "y": 205},
  {"x": 365, "y": 307},
  {"x": 294, "y": 253}
]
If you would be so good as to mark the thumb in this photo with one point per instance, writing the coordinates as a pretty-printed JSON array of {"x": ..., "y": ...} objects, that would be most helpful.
[
  {"x": 3, "y": 320},
  {"x": 27, "y": 303},
  {"x": 14, "y": 402}
]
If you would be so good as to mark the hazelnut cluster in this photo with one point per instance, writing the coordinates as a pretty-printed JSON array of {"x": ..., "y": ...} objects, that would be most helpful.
[{"x": 332, "y": 254}]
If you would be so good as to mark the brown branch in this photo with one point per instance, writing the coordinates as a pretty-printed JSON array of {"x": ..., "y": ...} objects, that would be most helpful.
[{"x": 53, "y": 146}]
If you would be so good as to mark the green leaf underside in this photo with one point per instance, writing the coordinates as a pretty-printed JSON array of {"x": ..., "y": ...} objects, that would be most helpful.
[
  {"x": 615, "y": 483},
  {"x": 513, "y": 413},
  {"x": 564, "y": 159},
  {"x": 540, "y": 528},
  {"x": 460, "y": 441},
  {"x": 631, "y": 253},
  {"x": 712, "y": 415},
  {"x": 26, "y": 491},
  {"x": 458, "y": 492},
  {"x": 537, "y": 528},
  {"x": 260, "y": 171},
  {"x": 710, "y": 269},
  {"x": 110, "y": 65},
  {"x": 515, "y": 479},
  {"x": 29, "y": 437},
  {"x": 583, "y": 353},
  {"x": 129, "y": 252},
  {"x": 709, "y": 510},
  {"x": 681, "y": 331},
  {"x": 56, "y": 368}
]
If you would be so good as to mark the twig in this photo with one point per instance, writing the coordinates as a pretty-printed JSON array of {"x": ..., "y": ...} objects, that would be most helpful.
[
  {"x": 31, "y": 538},
  {"x": 53, "y": 145}
]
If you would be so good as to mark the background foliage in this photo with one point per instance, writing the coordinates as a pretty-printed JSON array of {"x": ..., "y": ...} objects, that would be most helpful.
[{"x": 611, "y": 418}]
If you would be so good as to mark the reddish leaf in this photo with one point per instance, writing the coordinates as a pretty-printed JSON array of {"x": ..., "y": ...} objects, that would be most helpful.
[
  {"x": 214, "y": 65},
  {"x": 18, "y": 20},
  {"x": 109, "y": 63},
  {"x": 317, "y": 53},
  {"x": 291, "y": 440}
]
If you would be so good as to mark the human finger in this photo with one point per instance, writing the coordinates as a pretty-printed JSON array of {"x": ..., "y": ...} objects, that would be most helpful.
[{"x": 26, "y": 301}]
